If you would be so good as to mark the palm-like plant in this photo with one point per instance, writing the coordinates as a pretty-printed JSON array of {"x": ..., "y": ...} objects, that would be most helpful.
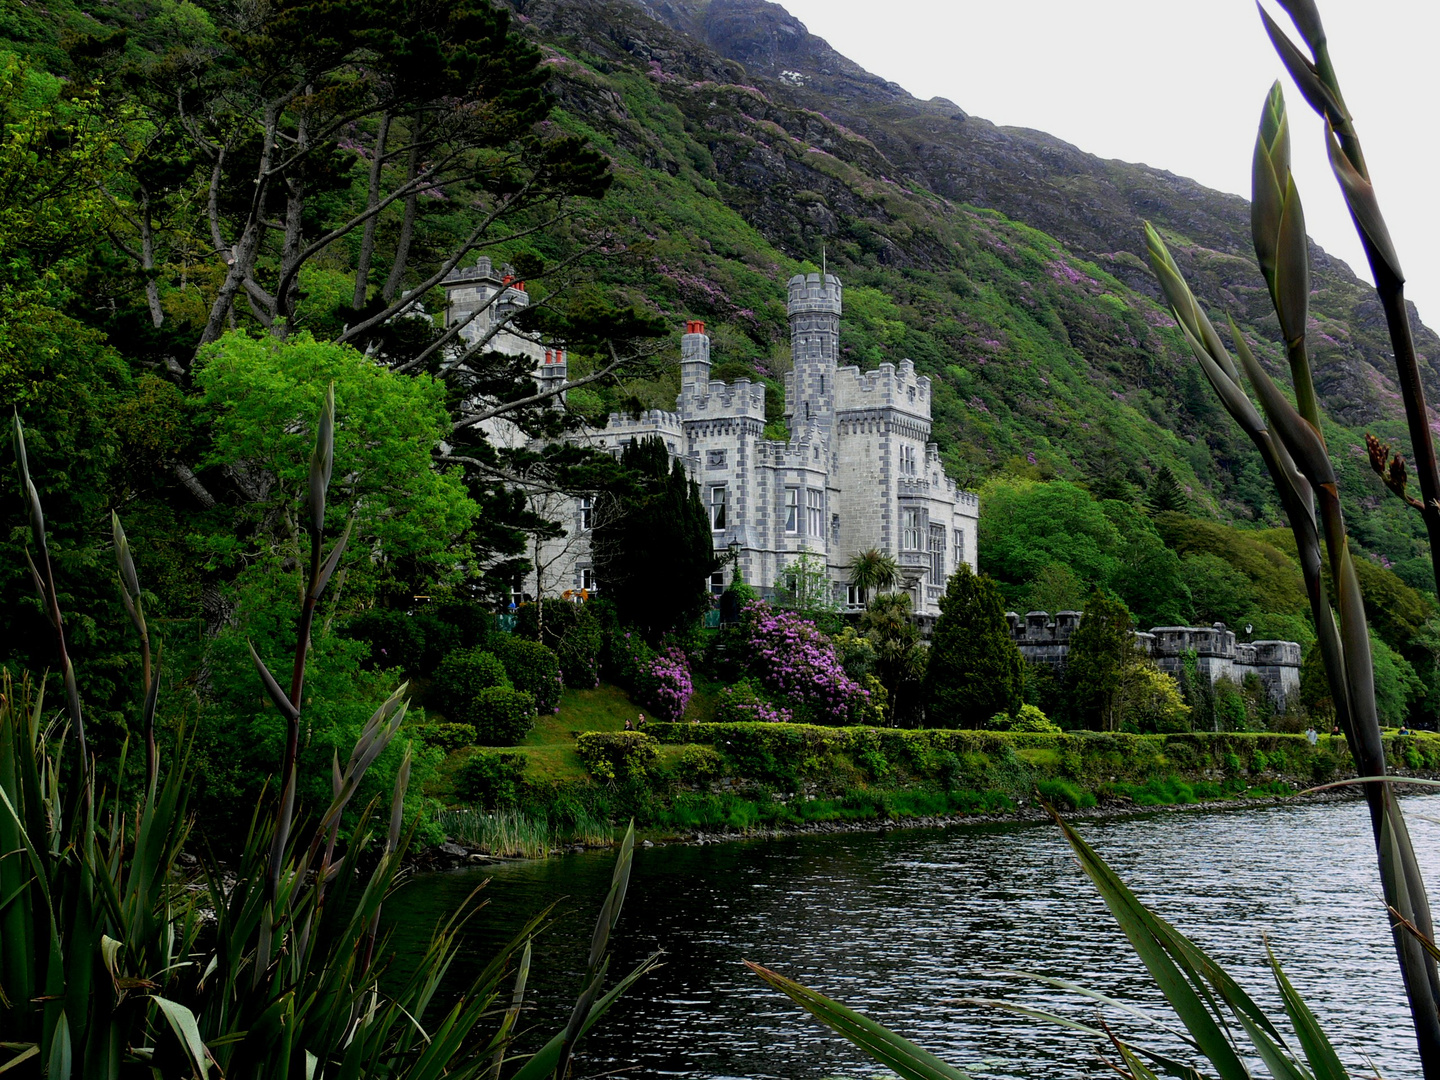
[{"x": 871, "y": 570}]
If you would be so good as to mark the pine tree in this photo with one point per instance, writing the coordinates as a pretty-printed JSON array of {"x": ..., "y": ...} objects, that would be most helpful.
[
  {"x": 1100, "y": 649},
  {"x": 1165, "y": 493},
  {"x": 653, "y": 548},
  {"x": 975, "y": 669}
]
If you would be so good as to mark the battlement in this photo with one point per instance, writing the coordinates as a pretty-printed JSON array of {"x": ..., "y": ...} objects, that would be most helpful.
[
  {"x": 1217, "y": 655},
  {"x": 740, "y": 399},
  {"x": 651, "y": 422},
  {"x": 889, "y": 385},
  {"x": 807, "y": 293}
]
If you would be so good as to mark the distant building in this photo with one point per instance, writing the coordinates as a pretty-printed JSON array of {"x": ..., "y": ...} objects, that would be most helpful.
[
  {"x": 859, "y": 470},
  {"x": 1218, "y": 655}
]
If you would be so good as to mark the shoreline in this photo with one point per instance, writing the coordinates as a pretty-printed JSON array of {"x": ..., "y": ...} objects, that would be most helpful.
[{"x": 434, "y": 860}]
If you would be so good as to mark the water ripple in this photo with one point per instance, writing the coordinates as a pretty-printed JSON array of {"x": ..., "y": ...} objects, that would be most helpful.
[{"x": 907, "y": 924}]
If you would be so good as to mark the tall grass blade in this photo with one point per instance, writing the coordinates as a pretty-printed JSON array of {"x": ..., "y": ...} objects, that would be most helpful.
[{"x": 896, "y": 1053}]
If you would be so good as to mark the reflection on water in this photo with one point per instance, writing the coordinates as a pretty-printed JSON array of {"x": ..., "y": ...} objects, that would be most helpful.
[{"x": 906, "y": 924}]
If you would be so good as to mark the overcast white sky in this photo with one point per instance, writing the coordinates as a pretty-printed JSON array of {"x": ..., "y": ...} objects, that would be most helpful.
[{"x": 1179, "y": 86}]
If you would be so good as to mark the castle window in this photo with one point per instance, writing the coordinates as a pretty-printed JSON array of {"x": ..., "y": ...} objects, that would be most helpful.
[
  {"x": 587, "y": 579},
  {"x": 907, "y": 460},
  {"x": 717, "y": 508},
  {"x": 822, "y": 385},
  {"x": 959, "y": 546},
  {"x": 814, "y": 512},
  {"x": 852, "y": 596},
  {"x": 792, "y": 510},
  {"x": 587, "y": 513},
  {"x": 717, "y": 583},
  {"x": 937, "y": 554},
  {"x": 912, "y": 530}
]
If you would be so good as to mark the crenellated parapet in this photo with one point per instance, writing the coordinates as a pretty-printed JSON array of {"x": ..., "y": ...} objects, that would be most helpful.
[
  {"x": 742, "y": 398},
  {"x": 889, "y": 386},
  {"x": 807, "y": 293},
  {"x": 1217, "y": 655}
]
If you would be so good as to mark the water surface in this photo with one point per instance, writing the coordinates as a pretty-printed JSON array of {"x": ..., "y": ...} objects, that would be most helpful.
[{"x": 904, "y": 925}]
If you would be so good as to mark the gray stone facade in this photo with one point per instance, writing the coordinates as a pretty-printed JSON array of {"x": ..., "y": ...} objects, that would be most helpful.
[
  {"x": 1218, "y": 655},
  {"x": 858, "y": 470}
]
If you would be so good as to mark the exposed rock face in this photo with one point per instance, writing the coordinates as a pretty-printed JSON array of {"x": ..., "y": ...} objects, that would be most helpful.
[{"x": 807, "y": 91}]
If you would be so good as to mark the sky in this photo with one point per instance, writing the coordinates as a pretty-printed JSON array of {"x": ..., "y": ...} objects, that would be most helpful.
[{"x": 1179, "y": 86}]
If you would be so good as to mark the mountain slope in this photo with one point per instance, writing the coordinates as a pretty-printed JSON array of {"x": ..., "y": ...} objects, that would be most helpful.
[{"x": 1006, "y": 263}]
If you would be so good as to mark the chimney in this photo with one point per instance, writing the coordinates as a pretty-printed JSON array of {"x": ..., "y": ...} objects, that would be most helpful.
[{"x": 694, "y": 360}]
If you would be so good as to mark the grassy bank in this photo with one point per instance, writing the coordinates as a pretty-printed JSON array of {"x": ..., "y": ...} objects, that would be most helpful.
[{"x": 579, "y": 772}]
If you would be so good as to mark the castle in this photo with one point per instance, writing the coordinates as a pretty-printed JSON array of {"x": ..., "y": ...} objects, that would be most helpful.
[
  {"x": 1217, "y": 654},
  {"x": 858, "y": 471}
]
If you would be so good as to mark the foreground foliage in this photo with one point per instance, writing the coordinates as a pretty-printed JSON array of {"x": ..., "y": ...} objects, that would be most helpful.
[{"x": 114, "y": 957}]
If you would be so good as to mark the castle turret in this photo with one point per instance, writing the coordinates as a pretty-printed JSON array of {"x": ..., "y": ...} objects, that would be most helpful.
[
  {"x": 814, "y": 310},
  {"x": 694, "y": 361}
]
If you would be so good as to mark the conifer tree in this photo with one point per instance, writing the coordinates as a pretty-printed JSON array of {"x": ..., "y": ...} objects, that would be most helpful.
[
  {"x": 653, "y": 548},
  {"x": 975, "y": 668},
  {"x": 1165, "y": 493},
  {"x": 1100, "y": 650}
]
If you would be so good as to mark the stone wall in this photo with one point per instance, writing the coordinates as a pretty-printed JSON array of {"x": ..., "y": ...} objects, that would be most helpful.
[{"x": 1043, "y": 640}]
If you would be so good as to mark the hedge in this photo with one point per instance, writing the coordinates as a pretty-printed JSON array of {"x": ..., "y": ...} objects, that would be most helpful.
[
  {"x": 617, "y": 755},
  {"x": 778, "y": 751}
]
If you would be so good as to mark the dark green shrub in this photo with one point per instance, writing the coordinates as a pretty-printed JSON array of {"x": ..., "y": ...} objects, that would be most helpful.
[
  {"x": 617, "y": 755},
  {"x": 699, "y": 764},
  {"x": 418, "y": 641},
  {"x": 459, "y": 677},
  {"x": 492, "y": 780},
  {"x": 572, "y": 632},
  {"x": 447, "y": 737},
  {"x": 1260, "y": 762},
  {"x": 501, "y": 715},
  {"x": 532, "y": 668}
]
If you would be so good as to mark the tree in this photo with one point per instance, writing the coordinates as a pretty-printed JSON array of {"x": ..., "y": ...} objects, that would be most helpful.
[
  {"x": 1166, "y": 494},
  {"x": 1101, "y": 648},
  {"x": 1150, "y": 700},
  {"x": 653, "y": 547},
  {"x": 804, "y": 586},
  {"x": 409, "y": 513},
  {"x": 899, "y": 656},
  {"x": 389, "y": 133},
  {"x": 974, "y": 670},
  {"x": 873, "y": 569}
]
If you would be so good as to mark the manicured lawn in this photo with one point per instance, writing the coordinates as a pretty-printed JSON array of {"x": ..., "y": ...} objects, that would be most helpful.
[
  {"x": 606, "y": 708},
  {"x": 550, "y": 746}
]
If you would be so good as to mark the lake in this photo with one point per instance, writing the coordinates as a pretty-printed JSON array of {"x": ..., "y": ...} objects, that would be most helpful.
[{"x": 905, "y": 924}]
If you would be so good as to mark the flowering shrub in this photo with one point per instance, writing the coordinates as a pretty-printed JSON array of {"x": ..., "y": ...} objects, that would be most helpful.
[
  {"x": 627, "y": 658},
  {"x": 795, "y": 661},
  {"x": 664, "y": 685},
  {"x": 743, "y": 703}
]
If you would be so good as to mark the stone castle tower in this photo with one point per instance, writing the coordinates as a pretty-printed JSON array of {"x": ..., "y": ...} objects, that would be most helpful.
[
  {"x": 813, "y": 306},
  {"x": 858, "y": 470}
]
